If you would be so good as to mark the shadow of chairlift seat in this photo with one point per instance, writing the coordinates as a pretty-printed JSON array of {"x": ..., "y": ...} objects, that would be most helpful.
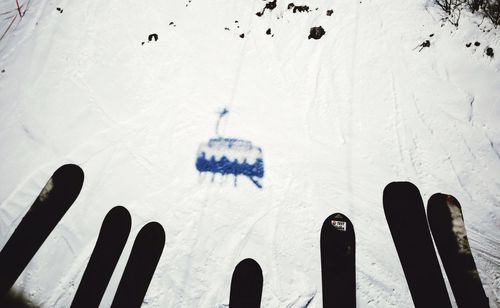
[{"x": 231, "y": 156}]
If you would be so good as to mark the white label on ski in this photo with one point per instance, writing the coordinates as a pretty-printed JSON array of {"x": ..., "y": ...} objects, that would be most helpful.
[{"x": 339, "y": 225}]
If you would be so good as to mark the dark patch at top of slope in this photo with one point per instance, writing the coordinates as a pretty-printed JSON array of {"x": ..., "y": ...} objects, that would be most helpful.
[
  {"x": 489, "y": 52},
  {"x": 316, "y": 33},
  {"x": 270, "y": 6},
  {"x": 298, "y": 8}
]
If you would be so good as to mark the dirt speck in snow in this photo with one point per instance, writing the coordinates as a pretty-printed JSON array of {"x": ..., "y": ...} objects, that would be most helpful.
[
  {"x": 270, "y": 6},
  {"x": 153, "y": 37},
  {"x": 489, "y": 52},
  {"x": 316, "y": 33}
]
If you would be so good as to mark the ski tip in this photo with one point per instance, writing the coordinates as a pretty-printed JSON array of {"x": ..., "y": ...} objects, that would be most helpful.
[
  {"x": 400, "y": 187},
  {"x": 119, "y": 209},
  {"x": 339, "y": 216},
  {"x": 435, "y": 199},
  {"x": 120, "y": 215},
  {"x": 249, "y": 263},
  {"x": 440, "y": 200},
  {"x": 152, "y": 231},
  {"x": 64, "y": 186},
  {"x": 247, "y": 271},
  {"x": 69, "y": 169},
  {"x": 396, "y": 193},
  {"x": 69, "y": 173}
]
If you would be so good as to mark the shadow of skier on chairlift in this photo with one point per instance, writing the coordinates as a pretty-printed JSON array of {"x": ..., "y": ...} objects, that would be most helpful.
[{"x": 230, "y": 156}]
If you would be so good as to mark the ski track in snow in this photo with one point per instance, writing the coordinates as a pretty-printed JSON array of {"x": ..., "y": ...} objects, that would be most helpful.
[{"x": 337, "y": 119}]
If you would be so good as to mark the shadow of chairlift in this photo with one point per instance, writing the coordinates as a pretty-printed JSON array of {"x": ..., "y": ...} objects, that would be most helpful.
[{"x": 230, "y": 156}]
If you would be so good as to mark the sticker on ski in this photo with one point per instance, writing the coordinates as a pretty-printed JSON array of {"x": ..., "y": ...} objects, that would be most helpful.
[
  {"x": 230, "y": 156},
  {"x": 339, "y": 225}
]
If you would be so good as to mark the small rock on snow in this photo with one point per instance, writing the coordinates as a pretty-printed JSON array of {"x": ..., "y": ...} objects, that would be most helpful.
[{"x": 316, "y": 33}]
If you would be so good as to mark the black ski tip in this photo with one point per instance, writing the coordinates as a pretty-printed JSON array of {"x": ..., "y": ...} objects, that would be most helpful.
[
  {"x": 397, "y": 193},
  {"x": 152, "y": 231},
  {"x": 68, "y": 179},
  {"x": 337, "y": 236},
  {"x": 118, "y": 215},
  {"x": 246, "y": 285},
  {"x": 440, "y": 205},
  {"x": 400, "y": 189},
  {"x": 440, "y": 198},
  {"x": 74, "y": 168},
  {"x": 70, "y": 171},
  {"x": 153, "y": 234},
  {"x": 248, "y": 265}
]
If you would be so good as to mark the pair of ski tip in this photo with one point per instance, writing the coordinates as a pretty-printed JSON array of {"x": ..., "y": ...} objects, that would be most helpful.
[
  {"x": 337, "y": 245},
  {"x": 52, "y": 203},
  {"x": 141, "y": 265},
  {"x": 411, "y": 228}
]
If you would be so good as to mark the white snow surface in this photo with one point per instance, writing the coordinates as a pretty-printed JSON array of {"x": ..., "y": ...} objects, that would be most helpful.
[{"x": 337, "y": 119}]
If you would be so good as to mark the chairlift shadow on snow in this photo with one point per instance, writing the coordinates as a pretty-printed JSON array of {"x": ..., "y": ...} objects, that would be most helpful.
[{"x": 230, "y": 156}]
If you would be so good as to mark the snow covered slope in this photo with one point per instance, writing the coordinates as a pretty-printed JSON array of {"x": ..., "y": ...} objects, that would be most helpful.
[{"x": 337, "y": 119}]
